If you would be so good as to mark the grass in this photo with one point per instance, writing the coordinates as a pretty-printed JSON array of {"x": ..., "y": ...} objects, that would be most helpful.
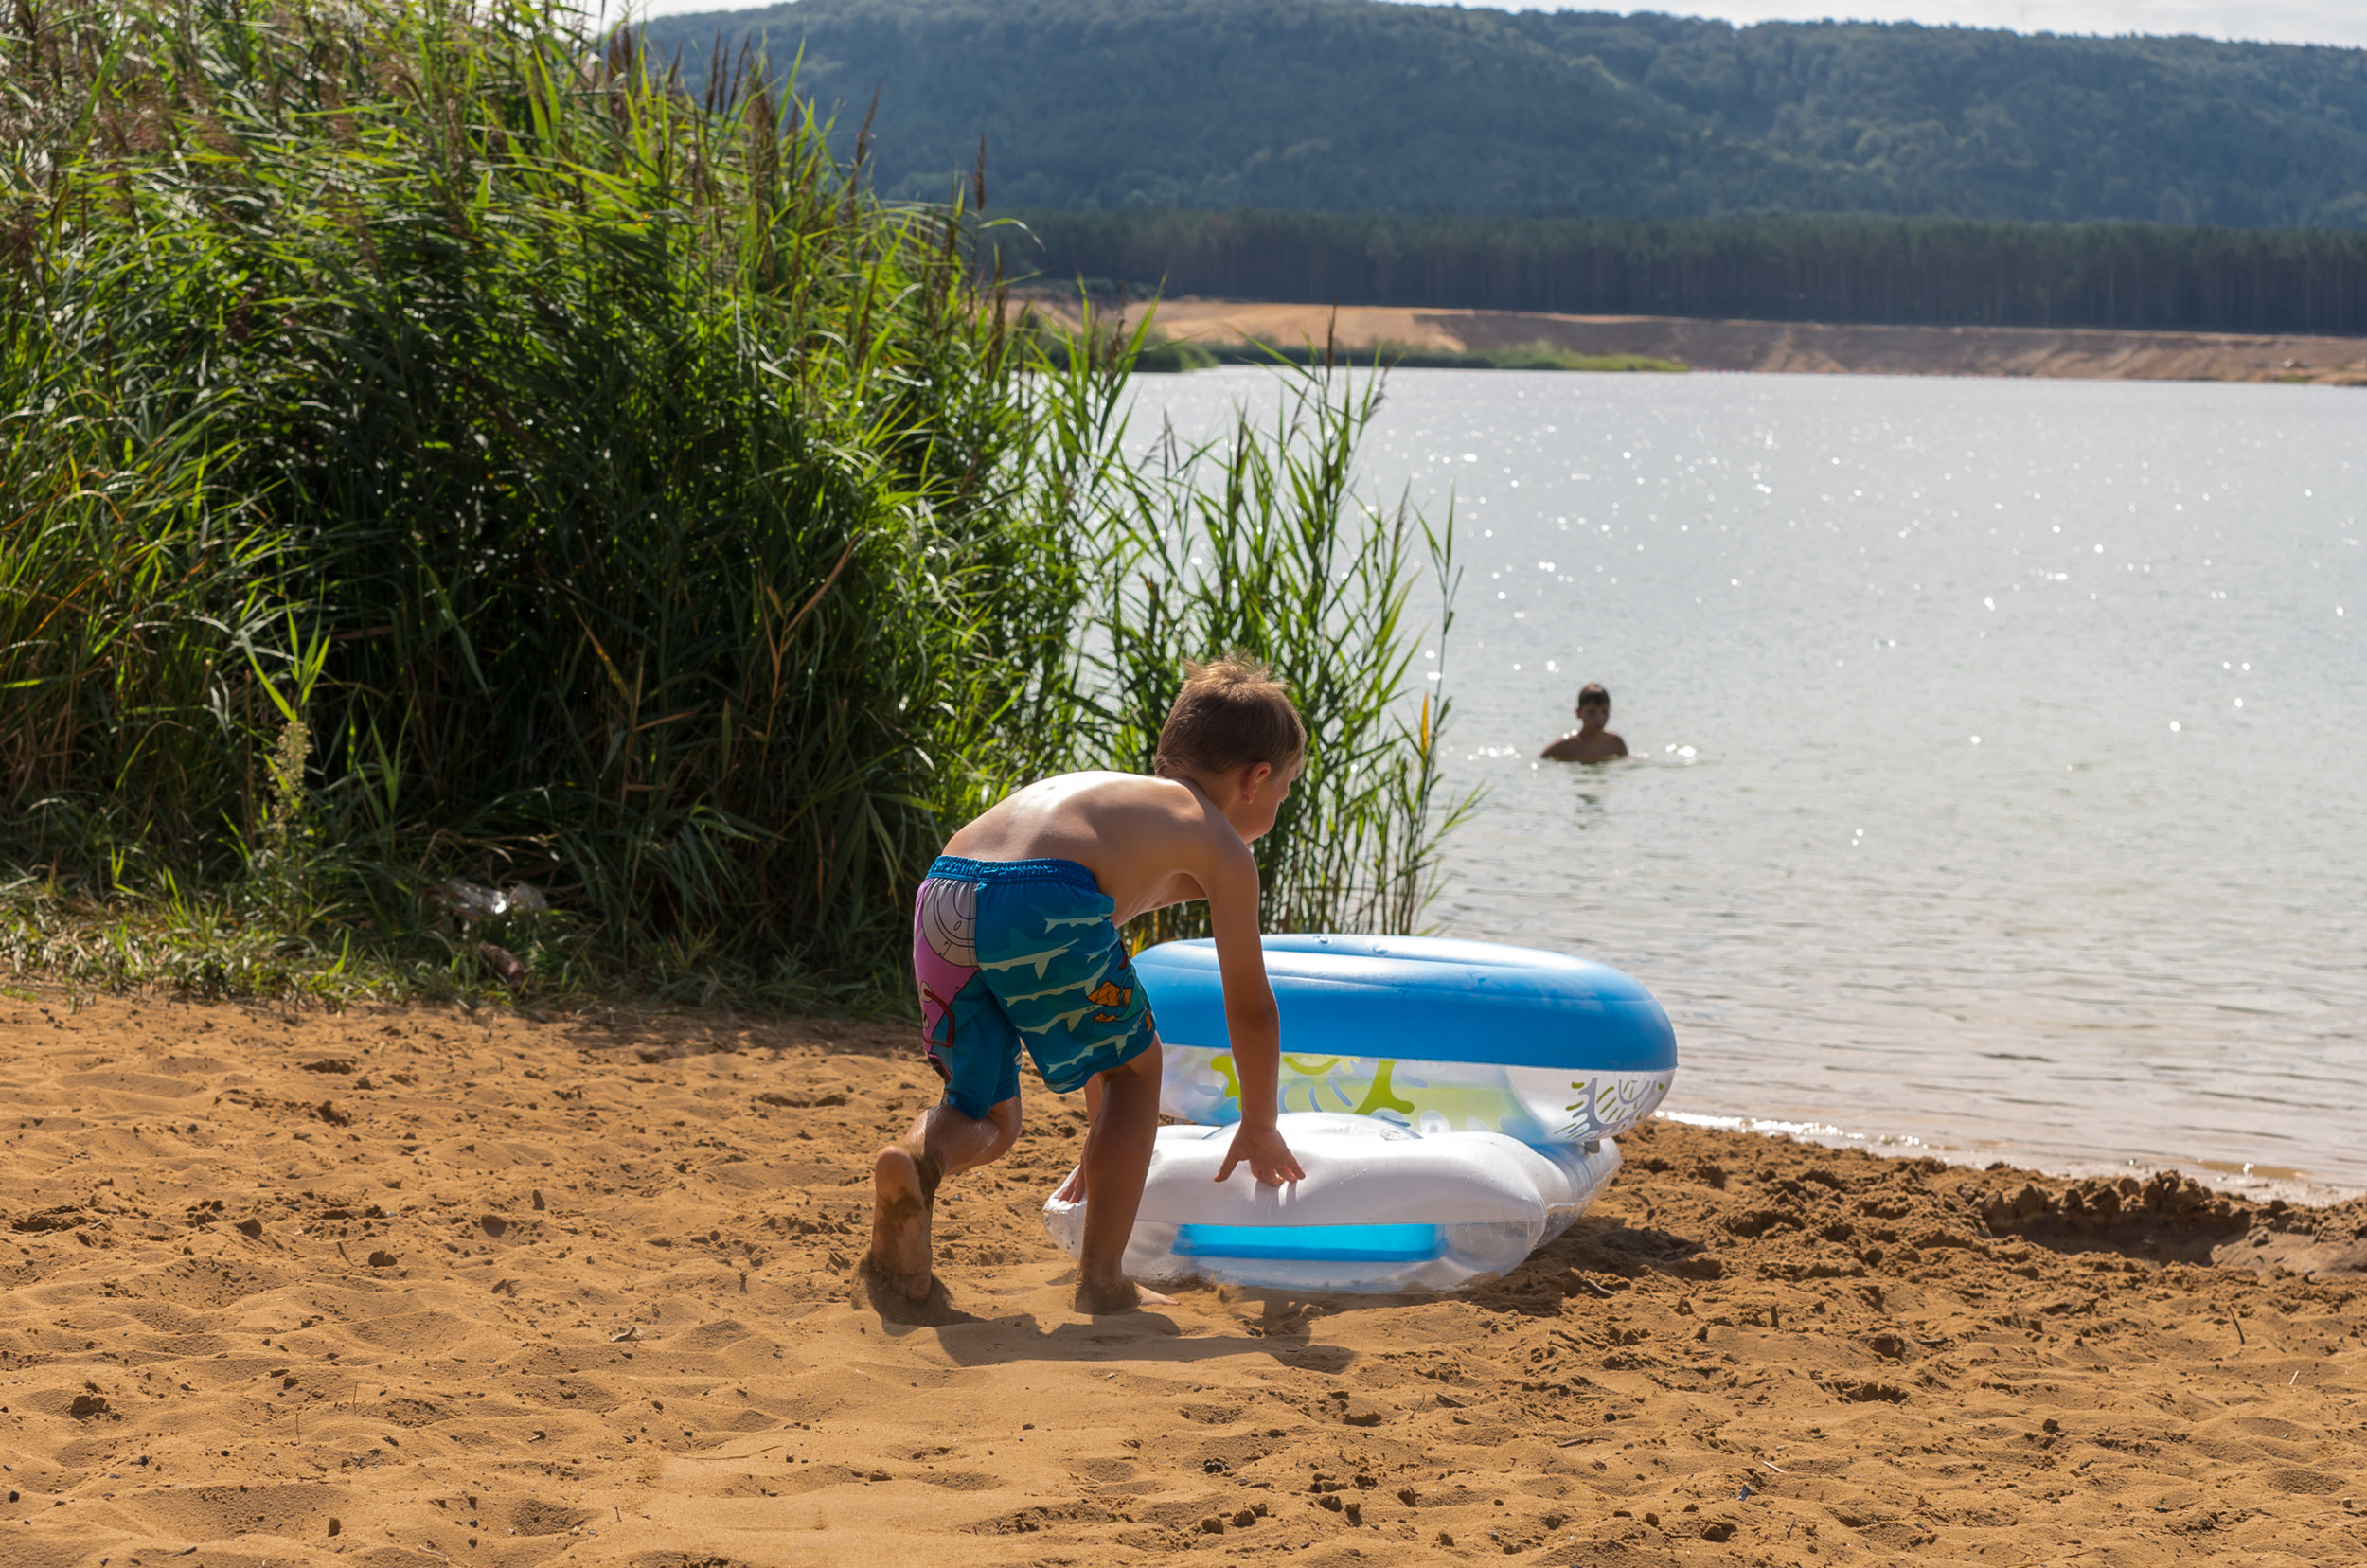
[
  {"x": 1150, "y": 351},
  {"x": 1161, "y": 354},
  {"x": 1527, "y": 356},
  {"x": 615, "y": 498},
  {"x": 435, "y": 446},
  {"x": 216, "y": 945},
  {"x": 52, "y": 936}
]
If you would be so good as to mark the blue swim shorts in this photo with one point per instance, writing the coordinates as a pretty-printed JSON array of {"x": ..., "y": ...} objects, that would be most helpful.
[{"x": 1013, "y": 951}]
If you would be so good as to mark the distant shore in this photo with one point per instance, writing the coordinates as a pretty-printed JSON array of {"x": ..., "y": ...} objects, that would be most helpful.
[{"x": 2068, "y": 353}]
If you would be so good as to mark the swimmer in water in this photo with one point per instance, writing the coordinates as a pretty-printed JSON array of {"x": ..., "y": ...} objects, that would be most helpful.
[{"x": 1591, "y": 742}]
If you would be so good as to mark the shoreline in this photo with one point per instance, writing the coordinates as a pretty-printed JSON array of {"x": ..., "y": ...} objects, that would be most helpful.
[
  {"x": 1793, "y": 347},
  {"x": 513, "y": 1286},
  {"x": 2252, "y": 1182}
]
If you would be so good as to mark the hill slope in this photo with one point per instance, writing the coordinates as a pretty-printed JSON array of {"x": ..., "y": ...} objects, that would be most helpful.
[{"x": 1356, "y": 105}]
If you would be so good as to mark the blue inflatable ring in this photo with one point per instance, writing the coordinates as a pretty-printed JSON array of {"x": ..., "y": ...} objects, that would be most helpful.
[{"x": 1438, "y": 1034}]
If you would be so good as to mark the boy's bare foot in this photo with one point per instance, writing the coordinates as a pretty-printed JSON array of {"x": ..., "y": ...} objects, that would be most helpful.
[
  {"x": 884, "y": 1295},
  {"x": 903, "y": 1193},
  {"x": 1121, "y": 1296}
]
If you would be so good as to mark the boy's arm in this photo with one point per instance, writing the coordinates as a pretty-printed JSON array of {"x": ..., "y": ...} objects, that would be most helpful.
[{"x": 1251, "y": 1018}]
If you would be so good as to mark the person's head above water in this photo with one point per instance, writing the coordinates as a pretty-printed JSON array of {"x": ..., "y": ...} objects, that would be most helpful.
[
  {"x": 1591, "y": 741},
  {"x": 1231, "y": 714}
]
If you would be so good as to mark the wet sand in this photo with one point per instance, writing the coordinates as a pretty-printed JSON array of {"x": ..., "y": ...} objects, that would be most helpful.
[
  {"x": 1797, "y": 347},
  {"x": 420, "y": 1285}
]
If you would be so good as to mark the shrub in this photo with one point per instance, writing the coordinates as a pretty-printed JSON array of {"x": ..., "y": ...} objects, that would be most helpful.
[{"x": 432, "y": 446}]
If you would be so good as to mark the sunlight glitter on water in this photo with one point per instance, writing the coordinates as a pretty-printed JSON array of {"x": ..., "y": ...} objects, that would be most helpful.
[{"x": 1975, "y": 844}]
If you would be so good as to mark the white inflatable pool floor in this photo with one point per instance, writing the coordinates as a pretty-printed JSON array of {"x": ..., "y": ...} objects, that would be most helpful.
[{"x": 1382, "y": 1208}]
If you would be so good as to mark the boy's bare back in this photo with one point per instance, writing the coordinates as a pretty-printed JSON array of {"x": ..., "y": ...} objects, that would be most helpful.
[
  {"x": 1080, "y": 855},
  {"x": 1148, "y": 842}
]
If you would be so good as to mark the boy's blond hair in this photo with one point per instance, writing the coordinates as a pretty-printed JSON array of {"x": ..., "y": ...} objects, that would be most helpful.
[{"x": 1230, "y": 714}]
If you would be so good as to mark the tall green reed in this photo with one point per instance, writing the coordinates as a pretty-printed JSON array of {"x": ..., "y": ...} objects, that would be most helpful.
[
  {"x": 1253, "y": 540},
  {"x": 604, "y": 487},
  {"x": 659, "y": 508}
]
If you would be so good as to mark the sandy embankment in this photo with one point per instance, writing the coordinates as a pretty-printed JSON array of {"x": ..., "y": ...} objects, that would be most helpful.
[
  {"x": 1799, "y": 346},
  {"x": 611, "y": 1323}
]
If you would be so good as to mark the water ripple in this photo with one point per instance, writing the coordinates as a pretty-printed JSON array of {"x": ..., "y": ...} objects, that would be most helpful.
[{"x": 2128, "y": 927}]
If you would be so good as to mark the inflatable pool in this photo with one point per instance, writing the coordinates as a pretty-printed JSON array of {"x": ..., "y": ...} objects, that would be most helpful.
[
  {"x": 1433, "y": 1034},
  {"x": 1382, "y": 1208}
]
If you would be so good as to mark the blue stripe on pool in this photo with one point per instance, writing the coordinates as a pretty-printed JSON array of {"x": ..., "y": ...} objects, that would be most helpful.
[
  {"x": 1329, "y": 1244},
  {"x": 1426, "y": 999}
]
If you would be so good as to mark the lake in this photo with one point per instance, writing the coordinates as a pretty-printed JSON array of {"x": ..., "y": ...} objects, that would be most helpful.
[{"x": 1998, "y": 744}]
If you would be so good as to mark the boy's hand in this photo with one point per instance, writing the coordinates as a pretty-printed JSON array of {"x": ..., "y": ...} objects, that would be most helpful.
[{"x": 1269, "y": 1159}]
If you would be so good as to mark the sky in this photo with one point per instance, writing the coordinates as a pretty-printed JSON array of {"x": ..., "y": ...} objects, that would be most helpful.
[{"x": 2263, "y": 21}]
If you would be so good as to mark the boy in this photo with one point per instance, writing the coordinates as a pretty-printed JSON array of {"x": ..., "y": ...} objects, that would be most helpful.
[
  {"x": 1015, "y": 938},
  {"x": 1590, "y": 741}
]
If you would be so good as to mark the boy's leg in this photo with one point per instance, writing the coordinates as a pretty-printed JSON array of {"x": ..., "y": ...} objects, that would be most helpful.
[
  {"x": 1117, "y": 1158},
  {"x": 1051, "y": 955},
  {"x": 1073, "y": 1190},
  {"x": 904, "y": 1183},
  {"x": 972, "y": 1046}
]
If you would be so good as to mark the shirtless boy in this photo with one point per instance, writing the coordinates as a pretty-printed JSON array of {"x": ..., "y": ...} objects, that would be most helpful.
[
  {"x": 1590, "y": 741},
  {"x": 1015, "y": 938}
]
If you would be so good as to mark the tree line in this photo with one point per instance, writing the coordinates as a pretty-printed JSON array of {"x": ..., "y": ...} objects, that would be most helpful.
[
  {"x": 1914, "y": 271},
  {"x": 1363, "y": 106}
]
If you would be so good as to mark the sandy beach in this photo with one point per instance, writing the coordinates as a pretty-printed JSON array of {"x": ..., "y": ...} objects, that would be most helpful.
[
  {"x": 420, "y": 1285},
  {"x": 1807, "y": 347}
]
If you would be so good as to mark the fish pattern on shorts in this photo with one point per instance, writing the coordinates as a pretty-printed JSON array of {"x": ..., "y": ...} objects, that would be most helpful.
[{"x": 1021, "y": 952}]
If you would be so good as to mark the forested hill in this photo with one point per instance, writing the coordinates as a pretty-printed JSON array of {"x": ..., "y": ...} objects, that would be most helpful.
[{"x": 1361, "y": 106}]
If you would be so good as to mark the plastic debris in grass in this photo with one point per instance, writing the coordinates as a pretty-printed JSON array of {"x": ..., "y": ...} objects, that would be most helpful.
[{"x": 474, "y": 902}]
